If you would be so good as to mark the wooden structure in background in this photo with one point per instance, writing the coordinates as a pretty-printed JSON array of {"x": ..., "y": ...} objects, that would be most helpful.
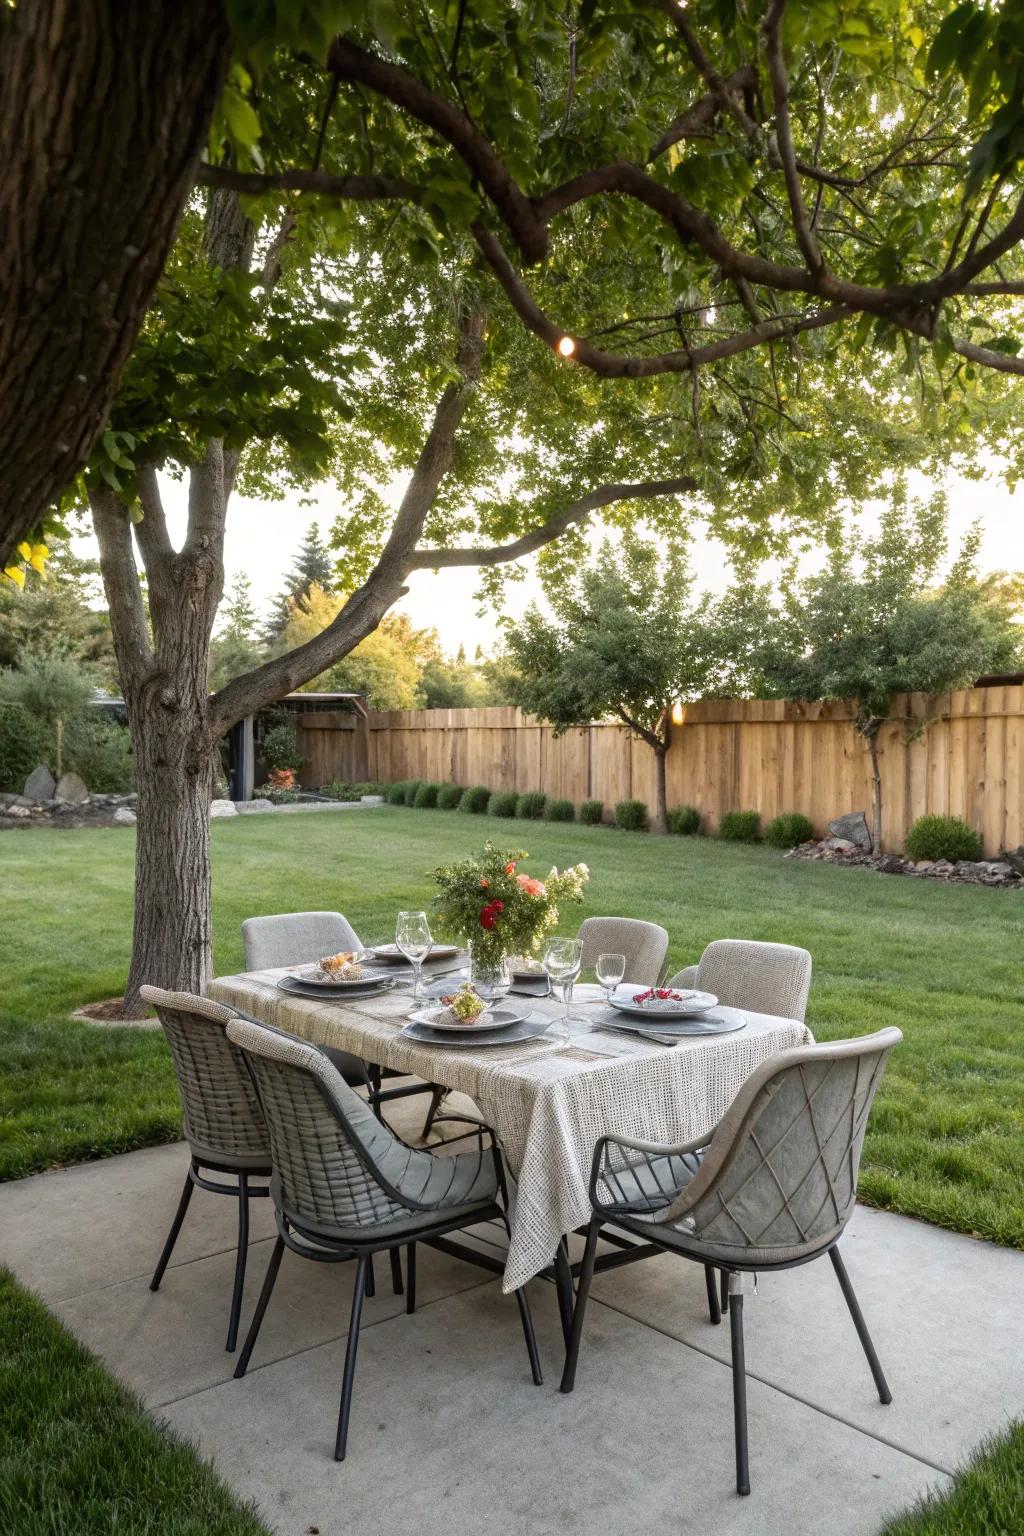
[{"x": 956, "y": 754}]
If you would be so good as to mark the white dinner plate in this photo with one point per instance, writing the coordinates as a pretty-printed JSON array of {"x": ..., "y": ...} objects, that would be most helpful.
[
  {"x": 690, "y": 1004},
  {"x": 390, "y": 954},
  {"x": 313, "y": 976},
  {"x": 494, "y": 1018}
]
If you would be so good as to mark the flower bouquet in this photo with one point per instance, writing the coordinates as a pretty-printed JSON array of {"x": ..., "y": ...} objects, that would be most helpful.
[{"x": 487, "y": 902}]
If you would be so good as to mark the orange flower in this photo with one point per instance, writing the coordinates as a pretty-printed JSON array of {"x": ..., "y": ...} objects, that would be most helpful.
[
  {"x": 531, "y": 887},
  {"x": 484, "y": 884},
  {"x": 510, "y": 868}
]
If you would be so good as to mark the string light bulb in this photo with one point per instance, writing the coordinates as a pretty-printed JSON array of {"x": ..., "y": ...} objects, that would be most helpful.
[
  {"x": 565, "y": 346},
  {"x": 677, "y": 712}
]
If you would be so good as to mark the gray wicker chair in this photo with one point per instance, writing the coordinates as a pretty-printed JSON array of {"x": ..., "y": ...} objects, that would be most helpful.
[
  {"x": 742, "y": 973},
  {"x": 644, "y": 945},
  {"x": 773, "y": 1188},
  {"x": 344, "y": 1187},
  {"x": 223, "y": 1122}
]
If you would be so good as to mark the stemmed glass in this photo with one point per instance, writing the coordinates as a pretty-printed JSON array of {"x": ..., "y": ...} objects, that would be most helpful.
[
  {"x": 562, "y": 961},
  {"x": 610, "y": 971},
  {"x": 412, "y": 935}
]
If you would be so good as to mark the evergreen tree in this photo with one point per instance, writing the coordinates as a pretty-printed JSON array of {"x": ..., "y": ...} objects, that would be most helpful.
[
  {"x": 313, "y": 567},
  {"x": 236, "y": 647}
]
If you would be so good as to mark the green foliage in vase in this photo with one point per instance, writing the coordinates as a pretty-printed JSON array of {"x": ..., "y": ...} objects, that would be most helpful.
[{"x": 486, "y": 900}]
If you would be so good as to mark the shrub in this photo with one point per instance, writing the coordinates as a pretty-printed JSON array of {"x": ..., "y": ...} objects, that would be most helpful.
[
  {"x": 475, "y": 800},
  {"x": 530, "y": 807},
  {"x": 449, "y": 796},
  {"x": 740, "y": 827},
  {"x": 942, "y": 837},
  {"x": 684, "y": 820},
  {"x": 281, "y": 746},
  {"x": 592, "y": 812},
  {"x": 369, "y": 788},
  {"x": 503, "y": 803},
  {"x": 559, "y": 810},
  {"x": 100, "y": 752},
  {"x": 411, "y": 789},
  {"x": 24, "y": 742},
  {"x": 631, "y": 815},
  {"x": 396, "y": 794},
  {"x": 337, "y": 789},
  {"x": 787, "y": 830},
  {"x": 425, "y": 797}
]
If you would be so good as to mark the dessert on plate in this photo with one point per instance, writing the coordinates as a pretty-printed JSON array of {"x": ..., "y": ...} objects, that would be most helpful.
[{"x": 344, "y": 966}]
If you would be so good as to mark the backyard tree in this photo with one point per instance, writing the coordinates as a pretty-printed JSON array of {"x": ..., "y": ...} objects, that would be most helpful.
[
  {"x": 874, "y": 623},
  {"x": 50, "y": 686},
  {"x": 627, "y": 640},
  {"x": 314, "y": 566}
]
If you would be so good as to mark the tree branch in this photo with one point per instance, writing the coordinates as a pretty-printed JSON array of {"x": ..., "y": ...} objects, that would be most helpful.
[
  {"x": 989, "y": 359},
  {"x": 805, "y": 236},
  {"x": 720, "y": 90},
  {"x": 135, "y": 659},
  {"x": 358, "y": 188},
  {"x": 699, "y": 117},
  {"x": 552, "y": 528}
]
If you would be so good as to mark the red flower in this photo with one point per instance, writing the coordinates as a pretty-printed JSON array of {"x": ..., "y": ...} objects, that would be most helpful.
[{"x": 489, "y": 914}]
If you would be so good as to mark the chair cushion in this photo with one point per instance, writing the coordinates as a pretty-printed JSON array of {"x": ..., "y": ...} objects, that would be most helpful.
[{"x": 651, "y": 1186}]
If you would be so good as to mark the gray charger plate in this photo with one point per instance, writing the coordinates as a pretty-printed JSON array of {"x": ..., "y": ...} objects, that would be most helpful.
[
  {"x": 529, "y": 1029},
  {"x": 711, "y": 1023},
  {"x": 336, "y": 993},
  {"x": 390, "y": 954}
]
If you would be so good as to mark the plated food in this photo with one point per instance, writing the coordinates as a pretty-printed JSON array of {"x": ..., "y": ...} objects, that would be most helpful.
[
  {"x": 464, "y": 1006},
  {"x": 663, "y": 1002},
  {"x": 344, "y": 966}
]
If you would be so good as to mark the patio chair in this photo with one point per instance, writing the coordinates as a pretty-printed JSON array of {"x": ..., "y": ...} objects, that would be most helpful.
[
  {"x": 344, "y": 1187},
  {"x": 299, "y": 938},
  {"x": 766, "y": 978},
  {"x": 644, "y": 945},
  {"x": 772, "y": 1188},
  {"x": 223, "y": 1121}
]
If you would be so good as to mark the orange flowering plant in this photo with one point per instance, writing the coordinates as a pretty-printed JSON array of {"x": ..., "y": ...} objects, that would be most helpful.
[{"x": 489, "y": 902}]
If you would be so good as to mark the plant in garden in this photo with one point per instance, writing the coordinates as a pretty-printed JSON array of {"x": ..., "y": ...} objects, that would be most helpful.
[
  {"x": 559, "y": 810},
  {"x": 592, "y": 812},
  {"x": 740, "y": 827},
  {"x": 788, "y": 830},
  {"x": 942, "y": 837},
  {"x": 48, "y": 686},
  {"x": 875, "y": 623},
  {"x": 475, "y": 800},
  {"x": 411, "y": 790},
  {"x": 449, "y": 797},
  {"x": 503, "y": 802},
  {"x": 684, "y": 820},
  {"x": 530, "y": 806},
  {"x": 631, "y": 815},
  {"x": 425, "y": 797},
  {"x": 487, "y": 901},
  {"x": 281, "y": 743}
]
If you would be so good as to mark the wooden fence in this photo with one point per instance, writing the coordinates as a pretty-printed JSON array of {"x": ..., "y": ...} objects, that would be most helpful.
[{"x": 957, "y": 754}]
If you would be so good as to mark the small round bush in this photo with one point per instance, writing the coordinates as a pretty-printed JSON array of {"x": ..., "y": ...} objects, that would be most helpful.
[
  {"x": 559, "y": 810},
  {"x": 942, "y": 837},
  {"x": 592, "y": 812},
  {"x": 740, "y": 827},
  {"x": 631, "y": 815},
  {"x": 475, "y": 800},
  {"x": 684, "y": 820},
  {"x": 425, "y": 797},
  {"x": 411, "y": 790},
  {"x": 449, "y": 796},
  {"x": 396, "y": 794},
  {"x": 788, "y": 830},
  {"x": 503, "y": 803},
  {"x": 530, "y": 807}
]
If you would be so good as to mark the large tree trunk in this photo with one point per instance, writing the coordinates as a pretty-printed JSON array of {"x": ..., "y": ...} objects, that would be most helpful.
[
  {"x": 870, "y": 734},
  {"x": 106, "y": 107}
]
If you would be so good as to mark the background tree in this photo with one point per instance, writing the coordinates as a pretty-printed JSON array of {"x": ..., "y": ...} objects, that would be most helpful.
[
  {"x": 387, "y": 667},
  {"x": 50, "y": 687},
  {"x": 873, "y": 623},
  {"x": 60, "y": 609},
  {"x": 626, "y": 641},
  {"x": 236, "y": 646},
  {"x": 313, "y": 566}
]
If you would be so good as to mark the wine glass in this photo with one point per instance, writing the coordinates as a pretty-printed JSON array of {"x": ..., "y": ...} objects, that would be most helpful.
[
  {"x": 562, "y": 961},
  {"x": 610, "y": 971},
  {"x": 412, "y": 935}
]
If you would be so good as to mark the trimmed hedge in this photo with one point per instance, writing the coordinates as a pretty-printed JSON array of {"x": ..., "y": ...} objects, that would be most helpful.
[
  {"x": 788, "y": 830},
  {"x": 592, "y": 812},
  {"x": 740, "y": 827},
  {"x": 396, "y": 794},
  {"x": 426, "y": 797},
  {"x": 449, "y": 797},
  {"x": 503, "y": 802},
  {"x": 530, "y": 807},
  {"x": 412, "y": 789},
  {"x": 559, "y": 810},
  {"x": 475, "y": 800},
  {"x": 942, "y": 837},
  {"x": 631, "y": 815},
  {"x": 684, "y": 820}
]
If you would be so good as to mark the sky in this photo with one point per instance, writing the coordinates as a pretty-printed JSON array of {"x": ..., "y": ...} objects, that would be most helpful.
[{"x": 263, "y": 537}]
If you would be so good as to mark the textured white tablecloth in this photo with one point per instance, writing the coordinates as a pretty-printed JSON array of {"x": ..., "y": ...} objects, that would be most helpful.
[{"x": 548, "y": 1102}]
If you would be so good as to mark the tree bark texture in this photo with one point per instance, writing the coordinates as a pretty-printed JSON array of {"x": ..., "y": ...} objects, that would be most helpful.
[
  {"x": 661, "y": 796},
  {"x": 105, "y": 109},
  {"x": 871, "y": 737}
]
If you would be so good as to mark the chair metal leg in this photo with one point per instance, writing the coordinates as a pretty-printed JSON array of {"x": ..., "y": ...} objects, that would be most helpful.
[
  {"x": 362, "y": 1271},
  {"x": 240, "y": 1258},
  {"x": 172, "y": 1236},
  {"x": 723, "y": 1280},
  {"x": 396, "y": 1271},
  {"x": 884, "y": 1395},
  {"x": 530, "y": 1336},
  {"x": 582, "y": 1292},
  {"x": 437, "y": 1098},
  {"x": 739, "y": 1394},
  {"x": 714, "y": 1305},
  {"x": 373, "y": 1080},
  {"x": 371, "y": 1283},
  {"x": 563, "y": 1286},
  {"x": 410, "y": 1277},
  {"x": 261, "y": 1307}
]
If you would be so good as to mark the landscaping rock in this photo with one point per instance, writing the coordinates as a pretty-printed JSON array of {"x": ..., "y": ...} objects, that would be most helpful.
[
  {"x": 1007, "y": 872},
  {"x": 1015, "y": 859},
  {"x": 19, "y": 812},
  {"x": 71, "y": 789},
  {"x": 123, "y": 817},
  {"x": 924, "y": 865},
  {"x": 371, "y": 799},
  {"x": 222, "y": 808},
  {"x": 242, "y": 806},
  {"x": 853, "y": 828},
  {"x": 40, "y": 784},
  {"x": 840, "y": 845}
]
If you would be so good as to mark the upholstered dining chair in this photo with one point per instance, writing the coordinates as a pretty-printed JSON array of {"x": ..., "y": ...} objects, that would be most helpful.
[
  {"x": 345, "y": 1187},
  {"x": 742, "y": 973},
  {"x": 223, "y": 1121},
  {"x": 772, "y": 1188},
  {"x": 644, "y": 945}
]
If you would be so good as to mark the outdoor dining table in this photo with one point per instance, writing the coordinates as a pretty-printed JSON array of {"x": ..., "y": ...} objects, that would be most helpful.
[{"x": 546, "y": 1100}]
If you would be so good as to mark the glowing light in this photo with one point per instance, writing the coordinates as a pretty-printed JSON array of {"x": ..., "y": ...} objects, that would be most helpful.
[
  {"x": 677, "y": 712},
  {"x": 565, "y": 346}
]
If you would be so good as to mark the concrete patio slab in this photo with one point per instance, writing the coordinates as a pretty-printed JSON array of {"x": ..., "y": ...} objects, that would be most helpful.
[{"x": 449, "y": 1435}]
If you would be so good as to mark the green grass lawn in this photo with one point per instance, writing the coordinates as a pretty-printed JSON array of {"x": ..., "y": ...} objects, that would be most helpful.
[{"x": 943, "y": 962}]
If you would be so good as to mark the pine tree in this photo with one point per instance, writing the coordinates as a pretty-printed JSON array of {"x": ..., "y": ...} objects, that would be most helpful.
[
  {"x": 238, "y": 612},
  {"x": 313, "y": 567}
]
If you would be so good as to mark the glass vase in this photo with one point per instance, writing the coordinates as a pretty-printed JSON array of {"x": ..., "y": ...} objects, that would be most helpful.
[{"x": 488, "y": 971}]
